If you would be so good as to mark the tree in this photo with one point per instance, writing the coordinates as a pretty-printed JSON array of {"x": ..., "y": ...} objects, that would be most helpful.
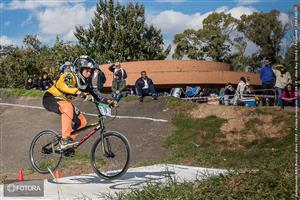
[
  {"x": 212, "y": 41},
  {"x": 30, "y": 54},
  {"x": 265, "y": 30},
  {"x": 12, "y": 69},
  {"x": 119, "y": 32},
  {"x": 32, "y": 42},
  {"x": 289, "y": 30},
  {"x": 290, "y": 59},
  {"x": 33, "y": 58}
]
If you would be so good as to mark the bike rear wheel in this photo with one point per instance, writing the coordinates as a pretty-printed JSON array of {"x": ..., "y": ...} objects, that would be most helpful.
[
  {"x": 43, "y": 152},
  {"x": 110, "y": 158}
]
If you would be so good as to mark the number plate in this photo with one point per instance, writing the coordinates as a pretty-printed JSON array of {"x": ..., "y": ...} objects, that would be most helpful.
[{"x": 105, "y": 110}]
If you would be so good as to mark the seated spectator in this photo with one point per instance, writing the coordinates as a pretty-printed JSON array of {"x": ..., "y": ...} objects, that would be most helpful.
[
  {"x": 117, "y": 68},
  {"x": 288, "y": 96},
  {"x": 283, "y": 77},
  {"x": 129, "y": 91},
  {"x": 45, "y": 82},
  {"x": 144, "y": 87},
  {"x": 118, "y": 87},
  {"x": 30, "y": 84},
  {"x": 228, "y": 94},
  {"x": 247, "y": 91}
]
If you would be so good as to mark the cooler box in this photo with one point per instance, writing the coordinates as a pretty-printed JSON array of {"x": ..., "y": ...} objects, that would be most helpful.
[{"x": 249, "y": 102}]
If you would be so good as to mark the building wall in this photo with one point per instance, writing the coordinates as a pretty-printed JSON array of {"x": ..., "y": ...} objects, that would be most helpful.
[{"x": 171, "y": 73}]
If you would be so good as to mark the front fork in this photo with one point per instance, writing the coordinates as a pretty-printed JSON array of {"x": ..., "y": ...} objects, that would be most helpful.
[{"x": 106, "y": 146}]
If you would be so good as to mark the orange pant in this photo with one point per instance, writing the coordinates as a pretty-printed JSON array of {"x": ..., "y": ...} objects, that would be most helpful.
[{"x": 68, "y": 117}]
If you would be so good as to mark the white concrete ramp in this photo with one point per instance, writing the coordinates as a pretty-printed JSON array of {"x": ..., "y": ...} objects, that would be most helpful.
[{"x": 90, "y": 186}]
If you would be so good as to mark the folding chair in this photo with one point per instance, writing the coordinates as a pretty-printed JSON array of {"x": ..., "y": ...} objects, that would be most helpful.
[{"x": 192, "y": 91}]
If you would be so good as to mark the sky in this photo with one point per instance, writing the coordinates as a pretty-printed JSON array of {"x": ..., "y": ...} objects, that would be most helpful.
[{"x": 49, "y": 18}]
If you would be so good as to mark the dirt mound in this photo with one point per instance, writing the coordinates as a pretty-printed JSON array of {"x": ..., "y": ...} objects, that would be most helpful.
[{"x": 244, "y": 124}]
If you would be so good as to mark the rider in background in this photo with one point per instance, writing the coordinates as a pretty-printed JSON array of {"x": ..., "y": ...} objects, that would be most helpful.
[
  {"x": 69, "y": 85},
  {"x": 66, "y": 67}
]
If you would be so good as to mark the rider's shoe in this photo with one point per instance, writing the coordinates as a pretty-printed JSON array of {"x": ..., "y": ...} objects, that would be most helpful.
[{"x": 66, "y": 144}]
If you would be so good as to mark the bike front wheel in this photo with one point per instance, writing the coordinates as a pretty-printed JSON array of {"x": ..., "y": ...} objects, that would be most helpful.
[
  {"x": 110, "y": 157},
  {"x": 43, "y": 152}
]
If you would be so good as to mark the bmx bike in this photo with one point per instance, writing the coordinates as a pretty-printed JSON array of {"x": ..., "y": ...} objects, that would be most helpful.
[{"x": 110, "y": 153}]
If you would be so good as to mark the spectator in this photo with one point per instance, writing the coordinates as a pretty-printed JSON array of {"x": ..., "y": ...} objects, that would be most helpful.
[
  {"x": 248, "y": 91},
  {"x": 30, "y": 84},
  {"x": 118, "y": 86},
  {"x": 36, "y": 81},
  {"x": 267, "y": 78},
  {"x": 145, "y": 87},
  {"x": 239, "y": 93},
  {"x": 283, "y": 77},
  {"x": 128, "y": 91},
  {"x": 45, "y": 82},
  {"x": 114, "y": 68},
  {"x": 98, "y": 79},
  {"x": 248, "y": 83},
  {"x": 229, "y": 94},
  {"x": 288, "y": 96},
  {"x": 66, "y": 67}
]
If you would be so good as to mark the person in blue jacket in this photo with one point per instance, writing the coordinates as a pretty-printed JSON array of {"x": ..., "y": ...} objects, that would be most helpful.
[
  {"x": 267, "y": 78},
  {"x": 144, "y": 87}
]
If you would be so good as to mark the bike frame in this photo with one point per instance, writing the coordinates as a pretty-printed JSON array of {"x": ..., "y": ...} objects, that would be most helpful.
[{"x": 99, "y": 126}]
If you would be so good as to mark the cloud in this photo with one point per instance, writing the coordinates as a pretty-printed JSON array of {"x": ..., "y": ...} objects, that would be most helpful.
[
  {"x": 5, "y": 41},
  {"x": 2, "y": 5},
  {"x": 247, "y": 2},
  {"x": 27, "y": 21},
  {"x": 62, "y": 20},
  {"x": 237, "y": 12},
  {"x": 34, "y": 4},
  {"x": 172, "y": 22},
  {"x": 283, "y": 18}
]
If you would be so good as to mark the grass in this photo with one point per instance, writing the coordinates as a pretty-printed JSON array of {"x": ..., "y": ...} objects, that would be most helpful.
[
  {"x": 199, "y": 142},
  {"x": 261, "y": 170},
  {"x": 79, "y": 159},
  {"x": 250, "y": 125},
  {"x": 180, "y": 105},
  {"x": 21, "y": 92},
  {"x": 129, "y": 98},
  {"x": 265, "y": 185}
]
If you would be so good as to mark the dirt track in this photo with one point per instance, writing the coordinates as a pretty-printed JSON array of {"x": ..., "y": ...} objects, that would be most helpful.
[{"x": 20, "y": 125}]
